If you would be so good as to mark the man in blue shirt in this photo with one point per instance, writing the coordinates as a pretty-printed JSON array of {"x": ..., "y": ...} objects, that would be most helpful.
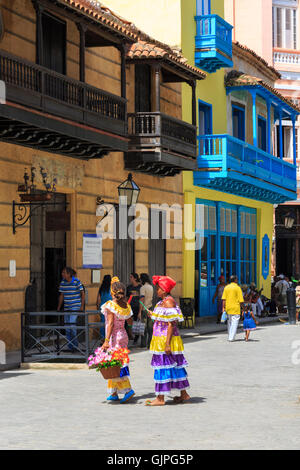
[{"x": 71, "y": 294}]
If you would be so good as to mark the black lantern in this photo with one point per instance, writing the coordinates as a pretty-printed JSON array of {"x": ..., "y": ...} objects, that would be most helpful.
[{"x": 128, "y": 192}]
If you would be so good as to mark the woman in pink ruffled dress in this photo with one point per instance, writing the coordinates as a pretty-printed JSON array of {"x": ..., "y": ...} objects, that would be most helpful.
[{"x": 116, "y": 312}]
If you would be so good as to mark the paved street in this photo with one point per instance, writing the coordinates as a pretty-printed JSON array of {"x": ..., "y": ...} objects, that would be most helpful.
[{"x": 245, "y": 396}]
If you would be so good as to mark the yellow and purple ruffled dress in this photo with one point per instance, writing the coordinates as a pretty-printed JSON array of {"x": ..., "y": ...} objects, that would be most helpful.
[
  {"x": 118, "y": 339},
  {"x": 169, "y": 370}
]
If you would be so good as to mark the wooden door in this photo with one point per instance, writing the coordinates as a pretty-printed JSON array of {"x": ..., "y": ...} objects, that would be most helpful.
[
  {"x": 54, "y": 43},
  {"x": 157, "y": 247},
  {"x": 142, "y": 88}
]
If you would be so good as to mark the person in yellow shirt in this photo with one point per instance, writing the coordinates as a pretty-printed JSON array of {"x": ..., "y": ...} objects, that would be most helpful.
[{"x": 232, "y": 299}]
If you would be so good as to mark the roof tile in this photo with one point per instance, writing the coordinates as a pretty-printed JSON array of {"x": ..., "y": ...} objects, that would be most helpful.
[
  {"x": 145, "y": 47},
  {"x": 155, "y": 49},
  {"x": 235, "y": 78}
]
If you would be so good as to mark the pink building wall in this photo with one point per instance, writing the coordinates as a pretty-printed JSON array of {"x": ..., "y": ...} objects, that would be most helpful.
[{"x": 252, "y": 22}]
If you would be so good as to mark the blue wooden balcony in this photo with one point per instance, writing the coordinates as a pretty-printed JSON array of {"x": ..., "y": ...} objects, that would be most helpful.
[
  {"x": 230, "y": 165},
  {"x": 213, "y": 43}
]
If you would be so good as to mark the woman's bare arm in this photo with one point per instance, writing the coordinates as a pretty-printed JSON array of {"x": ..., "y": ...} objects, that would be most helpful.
[{"x": 109, "y": 329}]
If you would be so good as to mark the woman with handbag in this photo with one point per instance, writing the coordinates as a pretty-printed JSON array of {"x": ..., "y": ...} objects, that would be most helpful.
[
  {"x": 168, "y": 360},
  {"x": 116, "y": 312},
  {"x": 146, "y": 297},
  {"x": 133, "y": 292}
]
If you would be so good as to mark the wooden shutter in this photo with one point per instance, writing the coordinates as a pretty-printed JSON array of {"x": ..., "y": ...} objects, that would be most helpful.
[{"x": 124, "y": 253}]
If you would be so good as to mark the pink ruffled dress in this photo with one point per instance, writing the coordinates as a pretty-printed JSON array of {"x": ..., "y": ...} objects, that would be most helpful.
[{"x": 118, "y": 339}]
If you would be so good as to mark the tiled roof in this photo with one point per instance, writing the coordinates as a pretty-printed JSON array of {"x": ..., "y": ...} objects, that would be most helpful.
[
  {"x": 235, "y": 79},
  {"x": 148, "y": 48},
  {"x": 244, "y": 50},
  {"x": 99, "y": 12}
]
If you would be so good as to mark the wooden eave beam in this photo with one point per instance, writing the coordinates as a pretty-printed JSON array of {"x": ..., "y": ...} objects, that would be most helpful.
[
  {"x": 174, "y": 74},
  {"x": 112, "y": 36}
]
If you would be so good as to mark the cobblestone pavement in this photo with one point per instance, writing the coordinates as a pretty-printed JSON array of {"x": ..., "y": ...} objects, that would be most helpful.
[{"x": 244, "y": 396}]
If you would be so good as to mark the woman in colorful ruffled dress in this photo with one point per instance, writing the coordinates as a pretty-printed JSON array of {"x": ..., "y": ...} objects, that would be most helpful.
[
  {"x": 168, "y": 360},
  {"x": 116, "y": 312}
]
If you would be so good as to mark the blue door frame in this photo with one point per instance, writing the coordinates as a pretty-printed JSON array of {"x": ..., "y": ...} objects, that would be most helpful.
[
  {"x": 238, "y": 120},
  {"x": 205, "y": 124},
  {"x": 228, "y": 245}
]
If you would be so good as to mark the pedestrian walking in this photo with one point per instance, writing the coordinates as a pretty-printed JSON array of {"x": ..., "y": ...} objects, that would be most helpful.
[
  {"x": 249, "y": 322},
  {"x": 104, "y": 295},
  {"x": 282, "y": 286},
  {"x": 232, "y": 300},
  {"x": 116, "y": 312},
  {"x": 297, "y": 302},
  {"x": 72, "y": 296},
  {"x": 146, "y": 297},
  {"x": 255, "y": 300},
  {"x": 133, "y": 291},
  {"x": 168, "y": 360},
  {"x": 218, "y": 295}
]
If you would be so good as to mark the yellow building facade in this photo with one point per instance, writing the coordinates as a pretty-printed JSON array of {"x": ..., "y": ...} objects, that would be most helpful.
[
  {"x": 35, "y": 122},
  {"x": 228, "y": 246}
]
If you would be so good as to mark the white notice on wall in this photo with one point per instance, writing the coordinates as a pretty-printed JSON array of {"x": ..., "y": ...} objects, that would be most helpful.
[
  {"x": 92, "y": 251},
  {"x": 12, "y": 268}
]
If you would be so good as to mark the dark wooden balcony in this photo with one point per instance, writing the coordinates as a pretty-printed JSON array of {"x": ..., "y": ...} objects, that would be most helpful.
[
  {"x": 160, "y": 144},
  {"x": 55, "y": 113}
]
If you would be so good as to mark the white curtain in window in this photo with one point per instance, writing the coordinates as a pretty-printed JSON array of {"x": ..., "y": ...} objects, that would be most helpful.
[{"x": 285, "y": 27}]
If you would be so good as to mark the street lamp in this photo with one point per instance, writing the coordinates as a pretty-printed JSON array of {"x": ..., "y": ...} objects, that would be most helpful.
[{"x": 128, "y": 192}]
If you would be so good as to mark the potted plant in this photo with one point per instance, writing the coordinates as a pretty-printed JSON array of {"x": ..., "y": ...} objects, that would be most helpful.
[{"x": 110, "y": 362}]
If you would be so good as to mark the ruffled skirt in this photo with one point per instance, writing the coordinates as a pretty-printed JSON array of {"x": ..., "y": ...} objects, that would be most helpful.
[
  {"x": 121, "y": 384},
  {"x": 169, "y": 370}
]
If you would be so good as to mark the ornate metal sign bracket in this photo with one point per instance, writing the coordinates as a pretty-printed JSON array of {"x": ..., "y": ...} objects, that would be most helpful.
[{"x": 22, "y": 212}]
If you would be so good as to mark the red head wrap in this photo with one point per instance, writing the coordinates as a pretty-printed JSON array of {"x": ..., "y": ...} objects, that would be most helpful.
[{"x": 166, "y": 283}]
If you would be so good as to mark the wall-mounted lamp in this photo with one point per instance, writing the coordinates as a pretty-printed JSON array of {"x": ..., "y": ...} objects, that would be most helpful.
[{"x": 128, "y": 192}]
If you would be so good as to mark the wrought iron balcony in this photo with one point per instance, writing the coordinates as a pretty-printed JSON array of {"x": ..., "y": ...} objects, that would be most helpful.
[
  {"x": 57, "y": 113},
  {"x": 231, "y": 165},
  {"x": 213, "y": 43},
  {"x": 160, "y": 144}
]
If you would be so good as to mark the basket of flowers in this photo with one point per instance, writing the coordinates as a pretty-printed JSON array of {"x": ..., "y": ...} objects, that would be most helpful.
[{"x": 109, "y": 362}]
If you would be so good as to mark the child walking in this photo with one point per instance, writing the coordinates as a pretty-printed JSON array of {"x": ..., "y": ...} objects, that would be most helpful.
[{"x": 249, "y": 321}]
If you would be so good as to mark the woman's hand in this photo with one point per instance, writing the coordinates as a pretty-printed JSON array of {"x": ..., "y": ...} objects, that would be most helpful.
[
  {"x": 105, "y": 345},
  {"x": 168, "y": 349}
]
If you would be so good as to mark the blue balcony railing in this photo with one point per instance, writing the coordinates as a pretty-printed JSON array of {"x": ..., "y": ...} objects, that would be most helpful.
[
  {"x": 231, "y": 165},
  {"x": 213, "y": 43}
]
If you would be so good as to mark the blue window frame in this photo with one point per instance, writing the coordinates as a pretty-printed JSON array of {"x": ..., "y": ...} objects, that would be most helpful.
[
  {"x": 238, "y": 122},
  {"x": 205, "y": 124},
  {"x": 203, "y": 7},
  {"x": 262, "y": 133}
]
